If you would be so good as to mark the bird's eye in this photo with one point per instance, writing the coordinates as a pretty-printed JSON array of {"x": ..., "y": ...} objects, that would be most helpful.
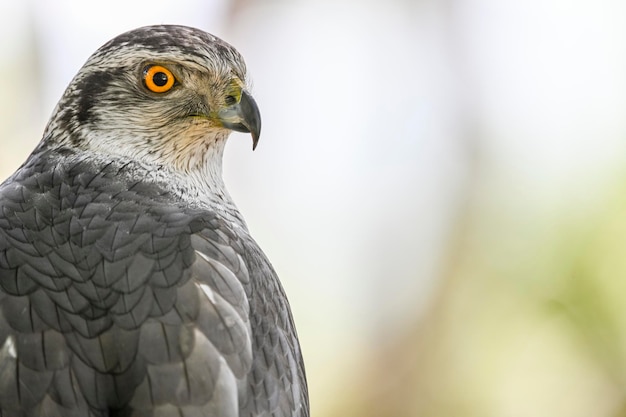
[{"x": 158, "y": 79}]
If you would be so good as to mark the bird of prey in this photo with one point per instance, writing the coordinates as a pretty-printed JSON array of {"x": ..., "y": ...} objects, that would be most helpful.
[{"x": 129, "y": 283}]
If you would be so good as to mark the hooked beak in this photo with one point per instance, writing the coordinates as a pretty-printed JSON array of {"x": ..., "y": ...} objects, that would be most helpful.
[{"x": 243, "y": 116}]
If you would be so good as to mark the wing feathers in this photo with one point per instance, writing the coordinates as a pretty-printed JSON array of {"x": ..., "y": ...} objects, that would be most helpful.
[{"x": 116, "y": 301}]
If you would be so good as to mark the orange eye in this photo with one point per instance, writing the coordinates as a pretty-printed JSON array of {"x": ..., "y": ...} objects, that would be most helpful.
[{"x": 158, "y": 79}]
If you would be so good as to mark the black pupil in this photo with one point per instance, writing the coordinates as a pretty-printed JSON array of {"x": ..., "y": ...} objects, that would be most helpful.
[{"x": 160, "y": 79}]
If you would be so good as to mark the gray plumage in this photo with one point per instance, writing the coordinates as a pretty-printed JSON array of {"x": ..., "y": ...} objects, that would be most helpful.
[{"x": 129, "y": 283}]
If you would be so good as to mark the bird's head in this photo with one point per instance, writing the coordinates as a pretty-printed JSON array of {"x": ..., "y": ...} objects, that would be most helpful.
[{"x": 163, "y": 94}]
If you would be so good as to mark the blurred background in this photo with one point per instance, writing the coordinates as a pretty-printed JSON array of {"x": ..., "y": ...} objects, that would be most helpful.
[{"x": 440, "y": 185}]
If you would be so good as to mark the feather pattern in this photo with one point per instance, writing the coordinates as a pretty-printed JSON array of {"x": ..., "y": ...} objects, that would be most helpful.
[{"x": 130, "y": 286}]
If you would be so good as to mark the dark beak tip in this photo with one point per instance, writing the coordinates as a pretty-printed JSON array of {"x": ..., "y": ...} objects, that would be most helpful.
[{"x": 252, "y": 117}]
